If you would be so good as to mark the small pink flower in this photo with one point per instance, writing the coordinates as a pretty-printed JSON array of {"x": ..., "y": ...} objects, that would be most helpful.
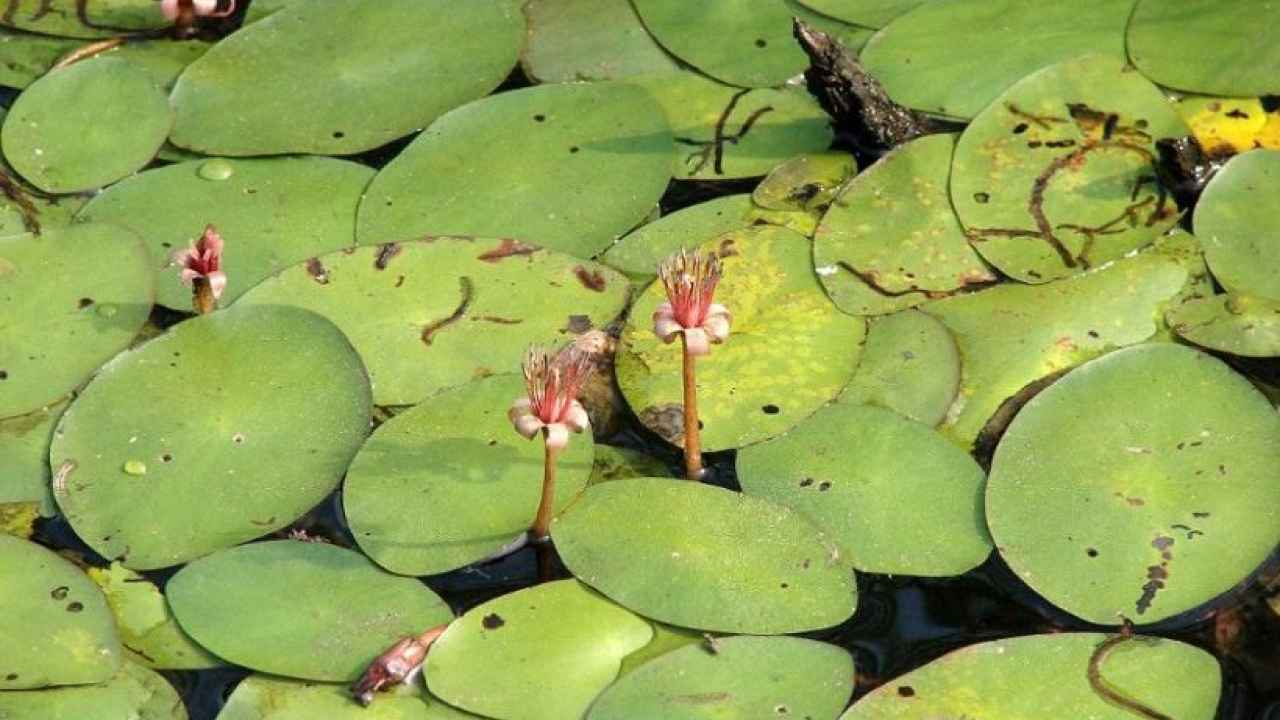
[
  {"x": 203, "y": 8},
  {"x": 690, "y": 279},
  {"x": 203, "y": 261},
  {"x": 399, "y": 664},
  {"x": 553, "y": 382}
]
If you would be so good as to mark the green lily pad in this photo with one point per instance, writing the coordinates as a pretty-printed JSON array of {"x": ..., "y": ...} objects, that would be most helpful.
[
  {"x": 327, "y": 611},
  {"x": 638, "y": 252},
  {"x": 449, "y": 482},
  {"x": 902, "y": 501},
  {"x": 1183, "y": 248},
  {"x": 542, "y": 653},
  {"x": 436, "y": 313},
  {"x": 1054, "y": 177},
  {"x": 1219, "y": 47},
  {"x": 893, "y": 228},
  {"x": 703, "y": 557},
  {"x": 162, "y": 59},
  {"x": 82, "y": 19},
  {"x": 272, "y": 213},
  {"x": 135, "y": 693},
  {"x": 84, "y": 126},
  {"x": 262, "y": 697},
  {"x": 1048, "y": 676},
  {"x": 744, "y": 677},
  {"x": 171, "y": 441},
  {"x": 24, "y": 457},
  {"x": 910, "y": 364},
  {"x": 723, "y": 133},
  {"x": 620, "y": 463},
  {"x": 1237, "y": 324},
  {"x": 577, "y": 166},
  {"x": 56, "y": 626},
  {"x": 340, "y": 78},
  {"x": 868, "y": 13},
  {"x": 150, "y": 635},
  {"x": 790, "y": 351},
  {"x": 24, "y": 57},
  {"x": 571, "y": 40},
  {"x": 1004, "y": 40},
  {"x": 1164, "y": 498},
  {"x": 666, "y": 639},
  {"x": 806, "y": 182},
  {"x": 70, "y": 299},
  {"x": 1013, "y": 335},
  {"x": 1239, "y": 226}
]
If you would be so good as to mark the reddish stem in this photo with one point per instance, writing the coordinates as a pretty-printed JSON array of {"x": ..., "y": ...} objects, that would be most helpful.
[
  {"x": 202, "y": 297},
  {"x": 542, "y": 523},
  {"x": 692, "y": 440}
]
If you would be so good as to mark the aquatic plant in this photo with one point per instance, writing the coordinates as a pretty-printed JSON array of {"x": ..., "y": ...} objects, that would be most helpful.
[{"x": 200, "y": 267}]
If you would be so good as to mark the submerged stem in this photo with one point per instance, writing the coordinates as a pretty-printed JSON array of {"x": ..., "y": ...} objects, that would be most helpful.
[
  {"x": 1104, "y": 689},
  {"x": 692, "y": 440},
  {"x": 542, "y": 523}
]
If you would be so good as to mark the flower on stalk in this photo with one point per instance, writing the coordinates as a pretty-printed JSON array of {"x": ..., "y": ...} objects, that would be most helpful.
[
  {"x": 202, "y": 8},
  {"x": 202, "y": 262},
  {"x": 553, "y": 381},
  {"x": 690, "y": 279},
  {"x": 399, "y": 664}
]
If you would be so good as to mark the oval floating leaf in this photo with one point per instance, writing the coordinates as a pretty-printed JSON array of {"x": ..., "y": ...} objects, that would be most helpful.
[
  {"x": 542, "y": 653},
  {"x": 437, "y": 313},
  {"x": 1239, "y": 226},
  {"x": 56, "y": 626},
  {"x": 1236, "y": 324},
  {"x": 70, "y": 298},
  {"x": 1221, "y": 47},
  {"x": 740, "y": 564},
  {"x": 910, "y": 364},
  {"x": 135, "y": 693},
  {"x": 744, "y": 677},
  {"x": 868, "y": 13},
  {"x": 263, "y": 697},
  {"x": 638, "y": 253},
  {"x": 574, "y": 40},
  {"x": 784, "y": 329},
  {"x": 1163, "y": 498},
  {"x": 575, "y": 166},
  {"x": 327, "y": 610},
  {"x": 340, "y": 78},
  {"x": 148, "y": 631},
  {"x": 167, "y": 470},
  {"x": 1053, "y": 177},
  {"x": 27, "y": 56},
  {"x": 83, "y": 19},
  {"x": 24, "y": 457}
]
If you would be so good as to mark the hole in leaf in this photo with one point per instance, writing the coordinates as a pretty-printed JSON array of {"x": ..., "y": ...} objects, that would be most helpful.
[
  {"x": 906, "y": 691},
  {"x": 771, "y": 409}
]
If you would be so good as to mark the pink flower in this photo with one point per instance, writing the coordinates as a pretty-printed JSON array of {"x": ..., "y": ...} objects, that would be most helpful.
[
  {"x": 203, "y": 8},
  {"x": 203, "y": 261},
  {"x": 553, "y": 383},
  {"x": 690, "y": 280}
]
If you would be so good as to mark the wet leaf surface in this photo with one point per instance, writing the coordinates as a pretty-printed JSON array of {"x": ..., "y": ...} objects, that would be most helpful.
[
  {"x": 1222, "y": 47},
  {"x": 574, "y": 40}
]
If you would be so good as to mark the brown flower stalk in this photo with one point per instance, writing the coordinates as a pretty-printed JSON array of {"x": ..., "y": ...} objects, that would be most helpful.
[{"x": 201, "y": 269}]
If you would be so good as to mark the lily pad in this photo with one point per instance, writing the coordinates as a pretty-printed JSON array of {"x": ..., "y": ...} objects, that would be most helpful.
[
  {"x": 340, "y": 78},
  {"x": 1236, "y": 324},
  {"x": 24, "y": 457},
  {"x": 1013, "y": 335},
  {"x": 84, "y": 126},
  {"x": 24, "y": 57},
  {"x": 744, "y": 677},
  {"x": 327, "y": 611},
  {"x": 620, "y": 463},
  {"x": 272, "y": 212},
  {"x": 571, "y": 40},
  {"x": 577, "y": 166},
  {"x": 56, "y": 626},
  {"x": 263, "y": 697},
  {"x": 1004, "y": 40},
  {"x": 1239, "y": 226},
  {"x": 542, "y": 653},
  {"x": 439, "y": 312},
  {"x": 902, "y": 501},
  {"x": 55, "y": 333},
  {"x": 1220, "y": 47},
  {"x": 163, "y": 59},
  {"x": 1223, "y": 126},
  {"x": 1055, "y": 177},
  {"x": 150, "y": 635},
  {"x": 910, "y": 364},
  {"x": 135, "y": 693},
  {"x": 448, "y": 482},
  {"x": 868, "y": 13},
  {"x": 1162, "y": 500},
  {"x": 1048, "y": 676},
  {"x": 83, "y": 19},
  {"x": 638, "y": 253},
  {"x": 790, "y": 351},
  {"x": 703, "y": 557},
  {"x": 893, "y": 228},
  {"x": 185, "y": 446}
]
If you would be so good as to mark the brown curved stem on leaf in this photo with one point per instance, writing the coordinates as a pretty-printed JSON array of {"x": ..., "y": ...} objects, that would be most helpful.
[{"x": 1104, "y": 689}]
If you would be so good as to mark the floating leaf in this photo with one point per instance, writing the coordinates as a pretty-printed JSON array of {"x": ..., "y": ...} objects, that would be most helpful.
[
  {"x": 448, "y": 482},
  {"x": 70, "y": 298},
  {"x": 163, "y": 59},
  {"x": 148, "y": 631},
  {"x": 806, "y": 182},
  {"x": 24, "y": 57},
  {"x": 327, "y": 611},
  {"x": 703, "y": 557},
  {"x": 437, "y": 313},
  {"x": 24, "y": 457},
  {"x": 744, "y": 677},
  {"x": 790, "y": 351},
  {"x": 666, "y": 639},
  {"x": 1239, "y": 226},
  {"x": 1236, "y": 324},
  {"x": 902, "y": 501},
  {"x": 1220, "y": 47},
  {"x": 579, "y": 165},
  {"x": 1223, "y": 125},
  {"x": 571, "y": 40},
  {"x": 83, "y": 19},
  {"x": 263, "y": 697},
  {"x": 1048, "y": 676},
  {"x": 135, "y": 693},
  {"x": 340, "y": 78},
  {"x": 910, "y": 364},
  {"x": 185, "y": 445},
  {"x": 638, "y": 253},
  {"x": 56, "y": 627},
  {"x": 1004, "y": 40},
  {"x": 542, "y": 653},
  {"x": 869, "y": 13},
  {"x": 620, "y": 463},
  {"x": 272, "y": 212},
  {"x": 19, "y": 518},
  {"x": 1164, "y": 493},
  {"x": 1055, "y": 177}
]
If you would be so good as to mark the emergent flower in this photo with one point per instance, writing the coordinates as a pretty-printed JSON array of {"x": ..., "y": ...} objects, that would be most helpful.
[
  {"x": 553, "y": 382},
  {"x": 203, "y": 262},
  {"x": 690, "y": 279},
  {"x": 203, "y": 8}
]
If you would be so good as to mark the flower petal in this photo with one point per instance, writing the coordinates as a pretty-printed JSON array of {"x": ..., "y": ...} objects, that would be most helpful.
[
  {"x": 575, "y": 418},
  {"x": 217, "y": 283},
  {"x": 696, "y": 341},
  {"x": 189, "y": 276},
  {"x": 557, "y": 436}
]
